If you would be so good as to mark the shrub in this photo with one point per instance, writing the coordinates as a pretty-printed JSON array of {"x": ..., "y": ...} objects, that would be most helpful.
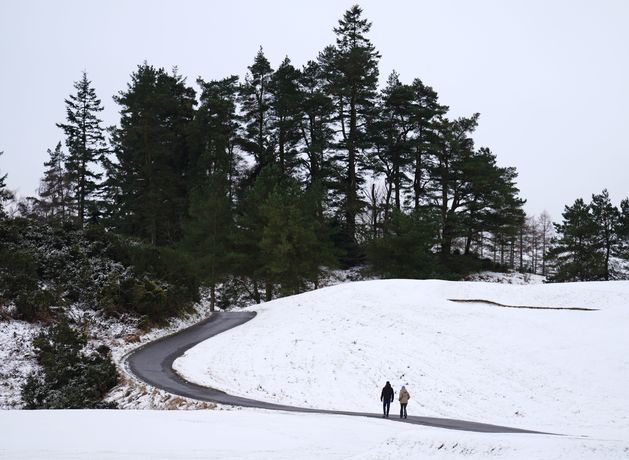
[{"x": 70, "y": 377}]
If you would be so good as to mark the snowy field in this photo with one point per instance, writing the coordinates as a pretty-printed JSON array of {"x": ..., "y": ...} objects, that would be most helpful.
[
  {"x": 249, "y": 434},
  {"x": 560, "y": 371}
]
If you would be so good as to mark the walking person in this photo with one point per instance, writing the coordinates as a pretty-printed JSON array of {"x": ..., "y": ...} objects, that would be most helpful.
[
  {"x": 386, "y": 397},
  {"x": 404, "y": 397}
]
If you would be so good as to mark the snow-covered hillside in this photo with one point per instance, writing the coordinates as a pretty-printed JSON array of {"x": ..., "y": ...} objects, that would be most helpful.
[{"x": 554, "y": 370}]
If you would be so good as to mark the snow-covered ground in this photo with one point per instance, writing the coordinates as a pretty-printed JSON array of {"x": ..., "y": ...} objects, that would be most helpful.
[
  {"x": 555, "y": 370},
  {"x": 561, "y": 371},
  {"x": 249, "y": 434},
  {"x": 17, "y": 359}
]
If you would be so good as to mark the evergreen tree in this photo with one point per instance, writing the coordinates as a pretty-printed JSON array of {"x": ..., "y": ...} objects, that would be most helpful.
[
  {"x": 317, "y": 110},
  {"x": 575, "y": 253},
  {"x": 280, "y": 241},
  {"x": 390, "y": 131},
  {"x": 208, "y": 234},
  {"x": 447, "y": 184},
  {"x": 606, "y": 218},
  {"x": 351, "y": 71},
  {"x": 153, "y": 156},
  {"x": 255, "y": 101},
  {"x": 316, "y": 128},
  {"x": 209, "y": 230},
  {"x": 293, "y": 244},
  {"x": 55, "y": 196},
  {"x": 285, "y": 114},
  {"x": 85, "y": 141},
  {"x": 217, "y": 133},
  {"x": 426, "y": 111},
  {"x": 5, "y": 194}
]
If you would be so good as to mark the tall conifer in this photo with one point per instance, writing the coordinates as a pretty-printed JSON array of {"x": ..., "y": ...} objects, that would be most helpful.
[
  {"x": 351, "y": 69},
  {"x": 85, "y": 141}
]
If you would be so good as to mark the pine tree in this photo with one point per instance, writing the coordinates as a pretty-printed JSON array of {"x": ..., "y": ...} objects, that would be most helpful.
[
  {"x": 316, "y": 128},
  {"x": 285, "y": 114},
  {"x": 447, "y": 182},
  {"x": 351, "y": 71},
  {"x": 426, "y": 112},
  {"x": 217, "y": 133},
  {"x": 606, "y": 218},
  {"x": 293, "y": 246},
  {"x": 575, "y": 253},
  {"x": 55, "y": 197},
  {"x": 208, "y": 233},
  {"x": 85, "y": 141},
  {"x": 149, "y": 179},
  {"x": 390, "y": 130},
  {"x": 5, "y": 194},
  {"x": 209, "y": 229},
  {"x": 255, "y": 101}
]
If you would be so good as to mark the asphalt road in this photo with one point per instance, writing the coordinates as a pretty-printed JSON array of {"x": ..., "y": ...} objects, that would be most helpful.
[{"x": 153, "y": 362}]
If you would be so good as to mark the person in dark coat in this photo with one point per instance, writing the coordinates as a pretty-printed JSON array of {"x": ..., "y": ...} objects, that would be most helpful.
[{"x": 386, "y": 397}]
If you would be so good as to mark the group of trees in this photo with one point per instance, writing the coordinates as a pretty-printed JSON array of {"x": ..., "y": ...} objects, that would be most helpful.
[
  {"x": 592, "y": 240},
  {"x": 268, "y": 179}
]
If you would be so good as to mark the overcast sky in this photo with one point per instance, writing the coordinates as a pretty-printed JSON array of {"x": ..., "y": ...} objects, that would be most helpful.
[{"x": 550, "y": 78}]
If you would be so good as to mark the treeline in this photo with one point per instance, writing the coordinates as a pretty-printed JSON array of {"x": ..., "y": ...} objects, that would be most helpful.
[
  {"x": 269, "y": 179},
  {"x": 257, "y": 184}
]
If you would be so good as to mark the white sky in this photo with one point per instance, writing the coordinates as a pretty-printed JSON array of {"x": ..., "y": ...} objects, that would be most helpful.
[{"x": 550, "y": 78}]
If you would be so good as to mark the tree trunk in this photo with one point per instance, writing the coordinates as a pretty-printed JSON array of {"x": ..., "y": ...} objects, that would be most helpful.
[
  {"x": 256, "y": 292},
  {"x": 352, "y": 197},
  {"x": 212, "y": 296},
  {"x": 268, "y": 291}
]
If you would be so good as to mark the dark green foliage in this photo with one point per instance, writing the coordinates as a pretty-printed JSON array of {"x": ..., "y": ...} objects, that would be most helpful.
[
  {"x": 71, "y": 377},
  {"x": 351, "y": 72},
  {"x": 293, "y": 245},
  {"x": 260, "y": 187},
  {"x": 575, "y": 254},
  {"x": 589, "y": 236},
  {"x": 44, "y": 265},
  {"x": 148, "y": 182},
  {"x": 285, "y": 105},
  {"x": 607, "y": 220},
  {"x": 405, "y": 250},
  {"x": 85, "y": 140},
  {"x": 208, "y": 235},
  {"x": 317, "y": 109},
  {"x": 280, "y": 241},
  {"x": 255, "y": 100}
]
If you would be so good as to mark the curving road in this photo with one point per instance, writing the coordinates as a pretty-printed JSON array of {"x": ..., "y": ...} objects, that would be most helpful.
[{"x": 153, "y": 362}]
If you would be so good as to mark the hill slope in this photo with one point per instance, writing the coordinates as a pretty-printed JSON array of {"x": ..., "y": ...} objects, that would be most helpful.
[{"x": 543, "y": 369}]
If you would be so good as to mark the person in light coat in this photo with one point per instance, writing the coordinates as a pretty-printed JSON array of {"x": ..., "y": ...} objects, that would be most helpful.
[{"x": 404, "y": 397}]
